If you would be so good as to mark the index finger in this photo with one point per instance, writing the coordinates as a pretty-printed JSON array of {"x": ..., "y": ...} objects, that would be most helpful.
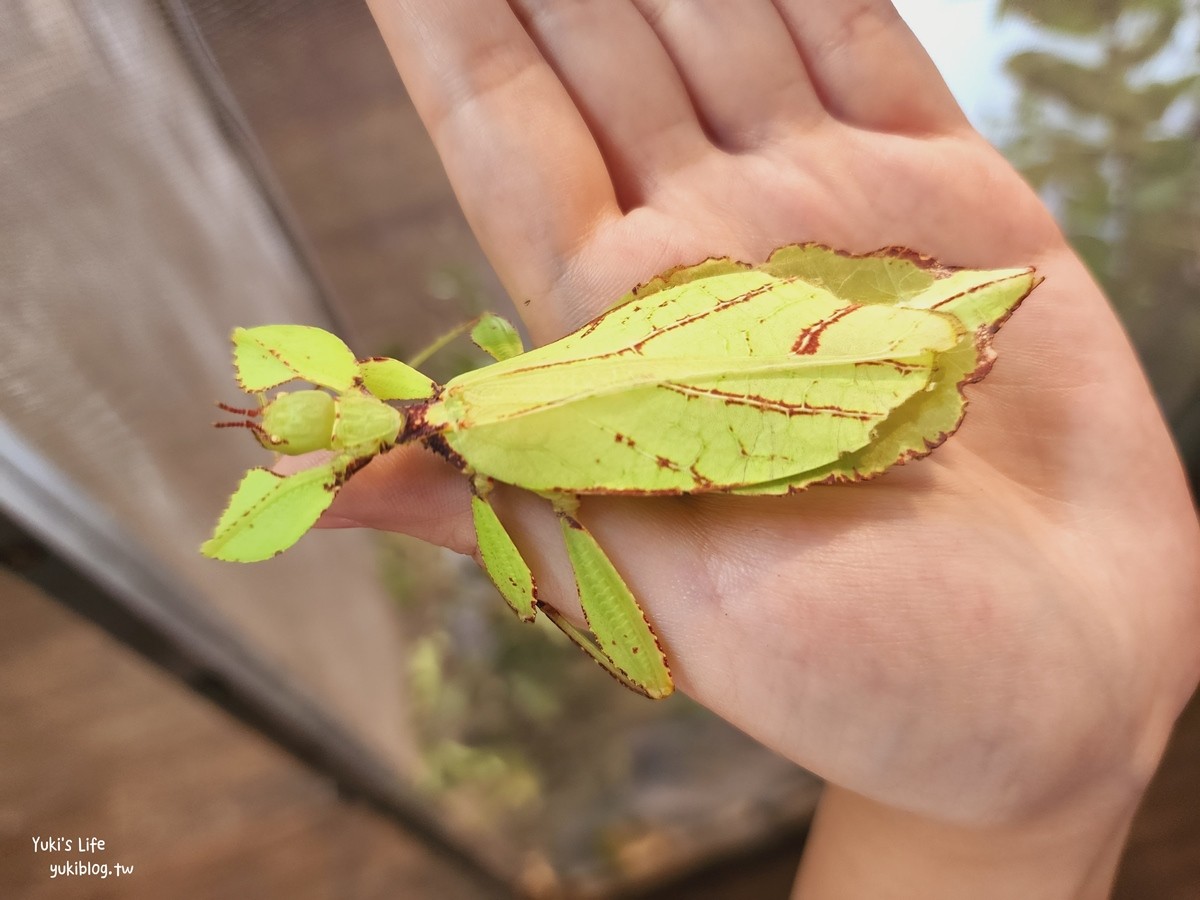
[{"x": 524, "y": 165}]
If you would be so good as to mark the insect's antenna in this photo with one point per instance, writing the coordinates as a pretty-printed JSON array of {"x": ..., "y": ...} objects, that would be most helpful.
[
  {"x": 238, "y": 411},
  {"x": 253, "y": 426}
]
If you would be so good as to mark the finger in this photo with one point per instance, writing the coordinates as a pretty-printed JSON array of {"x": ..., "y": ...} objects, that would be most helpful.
[
  {"x": 625, "y": 85},
  {"x": 739, "y": 64},
  {"x": 410, "y": 491},
  {"x": 522, "y": 161},
  {"x": 868, "y": 68}
]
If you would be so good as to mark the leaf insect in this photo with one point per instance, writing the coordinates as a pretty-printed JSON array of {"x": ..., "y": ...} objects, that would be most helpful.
[{"x": 815, "y": 367}]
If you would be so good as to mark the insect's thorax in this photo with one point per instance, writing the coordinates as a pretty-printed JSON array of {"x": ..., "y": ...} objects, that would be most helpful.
[
  {"x": 365, "y": 425},
  {"x": 297, "y": 422}
]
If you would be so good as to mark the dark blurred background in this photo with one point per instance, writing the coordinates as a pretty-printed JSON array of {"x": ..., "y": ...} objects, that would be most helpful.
[{"x": 363, "y": 718}]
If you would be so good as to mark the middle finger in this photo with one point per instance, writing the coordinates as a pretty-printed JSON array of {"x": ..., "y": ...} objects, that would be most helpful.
[
  {"x": 740, "y": 64},
  {"x": 624, "y": 84}
]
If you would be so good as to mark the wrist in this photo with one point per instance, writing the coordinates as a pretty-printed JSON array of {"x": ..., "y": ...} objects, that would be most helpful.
[{"x": 860, "y": 848}]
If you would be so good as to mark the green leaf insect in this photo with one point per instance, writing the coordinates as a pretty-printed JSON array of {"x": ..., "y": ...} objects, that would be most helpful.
[{"x": 816, "y": 366}]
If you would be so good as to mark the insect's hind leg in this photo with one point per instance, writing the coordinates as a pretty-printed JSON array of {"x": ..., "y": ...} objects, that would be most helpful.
[{"x": 625, "y": 644}]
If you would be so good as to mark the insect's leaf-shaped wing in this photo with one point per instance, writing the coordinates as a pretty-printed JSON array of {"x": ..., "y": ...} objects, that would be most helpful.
[
  {"x": 268, "y": 513},
  {"x": 497, "y": 337},
  {"x": 886, "y": 276},
  {"x": 900, "y": 277},
  {"x": 680, "y": 399},
  {"x": 502, "y": 561},
  {"x": 728, "y": 376},
  {"x": 981, "y": 300},
  {"x": 978, "y": 299},
  {"x": 911, "y": 431},
  {"x": 622, "y": 632},
  {"x": 681, "y": 275},
  {"x": 270, "y": 355},
  {"x": 390, "y": 379},
  {"x": 892, "y": 275}
]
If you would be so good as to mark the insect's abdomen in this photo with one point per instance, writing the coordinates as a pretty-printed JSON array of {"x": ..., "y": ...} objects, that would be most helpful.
[
  {"x": 779, "y": 389},
  {"x": 682, "y": 436}
]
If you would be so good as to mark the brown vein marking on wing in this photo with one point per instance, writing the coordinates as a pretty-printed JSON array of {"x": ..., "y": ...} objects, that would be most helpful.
[
  {"x": 994, "y": 326},
  {"x": 288, "y": 361},
  {"x": 637, "y": 346},
  {"x": 656, "y": 378},
  {"x": 703, "y": 314},
  {"x": 766, "y": 404},
  {"x": 897, "y": 364},
  {"x": 809, "y": 339}
]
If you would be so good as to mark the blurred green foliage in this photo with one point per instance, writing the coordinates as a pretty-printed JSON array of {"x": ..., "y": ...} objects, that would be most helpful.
[
  {"x": 532, "y": 753},
  {"x": 523, "y": 740},
  {"x": 1109, "y": 130}
]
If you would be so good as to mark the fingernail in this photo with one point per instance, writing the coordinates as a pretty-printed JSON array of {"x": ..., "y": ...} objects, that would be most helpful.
[{"x": 327, "y": 521}]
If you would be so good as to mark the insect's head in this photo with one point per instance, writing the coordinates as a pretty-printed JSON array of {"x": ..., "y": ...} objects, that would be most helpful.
[{"x": 291, "y": 423}]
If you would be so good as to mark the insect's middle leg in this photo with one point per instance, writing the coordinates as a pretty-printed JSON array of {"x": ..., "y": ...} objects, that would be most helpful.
[{"x": 501, "y": 559}]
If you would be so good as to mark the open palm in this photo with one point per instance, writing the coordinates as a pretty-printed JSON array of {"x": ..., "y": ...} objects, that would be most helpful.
[{"x": 956, "y": 638}]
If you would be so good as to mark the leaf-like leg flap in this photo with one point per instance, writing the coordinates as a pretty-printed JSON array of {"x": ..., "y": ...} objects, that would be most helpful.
[
  {"x": 269, "y": 512},
  {"x": 623, "y": 634},
  {"x": 501, "y": 560},
  {"x": 585, "y": 643},
  {"x": 497, "y": 337},
  {"x": 270, "y": 355},
  {"x": 390, "y": 379}
]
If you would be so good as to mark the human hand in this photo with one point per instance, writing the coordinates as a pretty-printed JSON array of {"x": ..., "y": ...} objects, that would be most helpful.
[{"x": 993, "y": 641}]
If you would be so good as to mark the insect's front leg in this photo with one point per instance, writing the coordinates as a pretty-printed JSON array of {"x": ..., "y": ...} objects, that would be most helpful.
[
  {"x": 269, "y": 512},
  {"x": 625, "y": 644}
]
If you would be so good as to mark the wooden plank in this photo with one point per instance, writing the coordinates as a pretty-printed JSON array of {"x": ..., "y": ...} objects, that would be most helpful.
[
  {"x": 89, "y": 565},
  {"x": 98, "y": 742}
]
